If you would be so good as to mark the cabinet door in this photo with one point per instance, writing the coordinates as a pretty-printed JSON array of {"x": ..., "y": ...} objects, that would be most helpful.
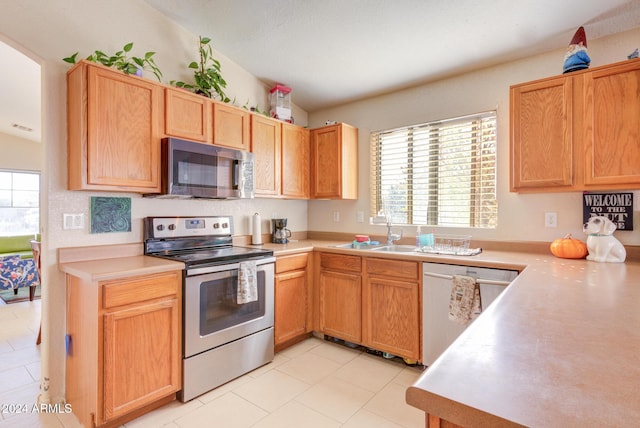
[
  {"x": 541, "y": 135},
  {"x": 295, "y": 161},
  {"x": 334, "y": 162},
  {"x": 187, "y": 115},
  {"x": 231, "y": 127},
  {"x": 266, "y": 148},
  {"x": 290, "y": 305},
  {"x": 393, "y": 323},
  {"x": 142, "y": 358},
  {"x": 340, "y": 306},
  {"x": 123, "y": 132},
  {"x": 327, "y": 158},
  {"x": 612, "y": 126}
]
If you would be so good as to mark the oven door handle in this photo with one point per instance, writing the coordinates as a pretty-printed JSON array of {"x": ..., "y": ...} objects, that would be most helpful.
[{"x": 226, "y": 267}]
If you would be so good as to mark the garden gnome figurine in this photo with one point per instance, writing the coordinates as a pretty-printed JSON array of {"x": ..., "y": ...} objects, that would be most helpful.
[{"x": 576, "y": 57}]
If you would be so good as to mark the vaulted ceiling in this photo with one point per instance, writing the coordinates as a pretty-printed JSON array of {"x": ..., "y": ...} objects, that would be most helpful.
[{"x": 334, "y": 51}]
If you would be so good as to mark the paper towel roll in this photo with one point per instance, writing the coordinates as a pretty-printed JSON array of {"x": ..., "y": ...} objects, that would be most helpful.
[{"x": 256, "y": 236}]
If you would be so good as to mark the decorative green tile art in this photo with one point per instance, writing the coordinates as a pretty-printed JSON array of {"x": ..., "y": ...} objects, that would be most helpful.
[{"x": 110, "y": 214}]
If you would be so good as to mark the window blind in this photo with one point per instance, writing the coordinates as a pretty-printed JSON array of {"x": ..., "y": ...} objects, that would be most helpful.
[{"x": 439, "y": 174}]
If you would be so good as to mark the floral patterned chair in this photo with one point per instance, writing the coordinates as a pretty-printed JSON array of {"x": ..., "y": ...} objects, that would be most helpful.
[{"x": 16, "y": 272}]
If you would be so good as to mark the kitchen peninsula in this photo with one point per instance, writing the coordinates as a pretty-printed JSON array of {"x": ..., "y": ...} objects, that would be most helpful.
[{"x": 560, "y": 347}]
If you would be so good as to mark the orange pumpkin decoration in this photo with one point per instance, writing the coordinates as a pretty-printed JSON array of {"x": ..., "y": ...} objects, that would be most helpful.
[{"x": 569, "y": 248}]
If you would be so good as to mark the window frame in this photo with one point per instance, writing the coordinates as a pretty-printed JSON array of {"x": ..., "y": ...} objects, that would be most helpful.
[
  {"x": 482, "y": 152},
  {"x": 12, "y": 204}
]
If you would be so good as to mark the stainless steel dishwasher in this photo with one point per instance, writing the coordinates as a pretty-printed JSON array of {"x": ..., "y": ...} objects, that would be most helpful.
[{"x": 438, "y": 331}]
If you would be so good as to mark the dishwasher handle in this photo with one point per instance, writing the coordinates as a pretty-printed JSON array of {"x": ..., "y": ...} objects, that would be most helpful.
[{"x": 478, "y": 280}]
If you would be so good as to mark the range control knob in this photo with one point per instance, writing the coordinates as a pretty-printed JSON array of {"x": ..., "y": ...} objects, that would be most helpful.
[
  {"x": 225, "y": 225},
  {"x": 172, "y": 227},
  {"x": 160, "y": 227}
]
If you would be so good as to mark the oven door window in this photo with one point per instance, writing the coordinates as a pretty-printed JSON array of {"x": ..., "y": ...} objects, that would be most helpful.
[{"x": 219, "y": 309}]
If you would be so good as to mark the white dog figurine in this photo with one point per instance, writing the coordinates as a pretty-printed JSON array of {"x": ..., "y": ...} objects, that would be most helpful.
[{"x": 602, "y": 246}]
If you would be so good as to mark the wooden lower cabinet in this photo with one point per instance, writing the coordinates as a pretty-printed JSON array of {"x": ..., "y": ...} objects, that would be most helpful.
[
  {"x": 432, "y": 421},
  {"x": 340, "y": 296},
  {"x": 392, "y": 307},
  {"x": 124, "y": 356},
  {"x": 291, "y": 300},
  {"x": 375, "y": 302}
]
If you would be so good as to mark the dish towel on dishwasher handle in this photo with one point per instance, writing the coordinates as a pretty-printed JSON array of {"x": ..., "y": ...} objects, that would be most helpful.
[
  {"x": 465, "y": 302},
  {"x": 247, "y": 282}
]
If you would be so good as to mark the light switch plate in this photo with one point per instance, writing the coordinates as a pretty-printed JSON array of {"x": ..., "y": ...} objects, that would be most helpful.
[
  {"x": 72, "y": 221},
  {"x": 550, "y": 219}
]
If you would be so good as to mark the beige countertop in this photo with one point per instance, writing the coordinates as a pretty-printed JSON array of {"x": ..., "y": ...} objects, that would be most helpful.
[
  {"x": 118, "y": 267},
  {"x": 560, "y": 347}
]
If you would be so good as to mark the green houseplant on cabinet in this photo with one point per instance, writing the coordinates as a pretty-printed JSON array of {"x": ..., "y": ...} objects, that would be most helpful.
[
  {"x": 120, "y": 61},
  {"x": 208, "y": 80}
]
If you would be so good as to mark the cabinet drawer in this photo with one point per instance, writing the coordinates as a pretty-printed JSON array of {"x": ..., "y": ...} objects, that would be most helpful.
[
  {"x": 393, "y": 268},
  {"x": 140, "y": 288},
  {"x": 294, "y": 262},
  {"x": 341, "y": 262}
]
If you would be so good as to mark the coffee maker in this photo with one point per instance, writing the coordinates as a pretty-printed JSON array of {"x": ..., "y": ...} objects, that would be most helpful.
[{"x": 280, "y": 231}]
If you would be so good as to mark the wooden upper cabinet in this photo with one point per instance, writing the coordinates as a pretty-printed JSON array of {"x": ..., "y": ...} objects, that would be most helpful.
[
  {"x": 187, "y": 115},
  {"x": 334, "y": 162},
  {"x": 231, "y": 126},
  {"x": 611, "y": 126},
  {"x": 578, "y": 131},
  {"x": 295, "y": 161},
  {"x": 541, "y": 134},
  {"x": 266, "y": 147},
  {"x": 114, "y": 130}
]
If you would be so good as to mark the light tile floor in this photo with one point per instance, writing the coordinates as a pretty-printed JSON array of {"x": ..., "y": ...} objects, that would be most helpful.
[{"x": 315, "y": 383}]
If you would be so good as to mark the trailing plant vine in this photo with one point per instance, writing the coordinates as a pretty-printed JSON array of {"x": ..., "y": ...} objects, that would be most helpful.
[
  {"x": 120, "y": 61},
  {"x": 208, "y": 80}
]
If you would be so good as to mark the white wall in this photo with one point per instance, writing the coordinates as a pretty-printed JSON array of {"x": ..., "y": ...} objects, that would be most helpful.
[
  {"x": 521, "y": 217},
  {"x": 20, "y": 154},
  {"x": 47, "y": 31}
]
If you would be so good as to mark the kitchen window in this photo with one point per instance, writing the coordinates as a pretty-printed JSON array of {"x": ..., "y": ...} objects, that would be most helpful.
[
  {"x": 19, "y": 203},
  {"x": 437, "y": 174}
]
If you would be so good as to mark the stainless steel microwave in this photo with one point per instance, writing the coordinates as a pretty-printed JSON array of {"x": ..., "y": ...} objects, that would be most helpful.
[{"x": 199, "y": 170}]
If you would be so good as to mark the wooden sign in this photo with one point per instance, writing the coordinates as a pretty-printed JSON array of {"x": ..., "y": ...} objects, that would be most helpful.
[{"x": 617, "y": 207}]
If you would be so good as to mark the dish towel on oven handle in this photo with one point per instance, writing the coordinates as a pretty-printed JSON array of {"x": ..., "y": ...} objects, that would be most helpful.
[
  {"x": 465, "y": 303},
  {"x": 247, "y": 282}
]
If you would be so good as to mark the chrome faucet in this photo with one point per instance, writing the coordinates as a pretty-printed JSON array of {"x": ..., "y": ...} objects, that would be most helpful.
[{"x": 390, "y": 235}]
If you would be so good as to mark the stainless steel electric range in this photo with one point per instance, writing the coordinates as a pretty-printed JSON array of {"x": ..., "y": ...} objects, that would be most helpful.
[{"x": 222, "y": 338}]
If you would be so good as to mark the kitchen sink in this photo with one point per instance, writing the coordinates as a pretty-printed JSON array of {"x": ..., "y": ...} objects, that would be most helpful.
[
  {"x": 349, "y": 245},
  {"x": 385, "y": 248},
  {"x": 396, "y": 248}
]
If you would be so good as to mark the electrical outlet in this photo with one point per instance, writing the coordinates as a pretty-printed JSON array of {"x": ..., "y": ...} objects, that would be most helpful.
[
  {"x": 72, "y": 221},
  {"x": 336, "y": 216},
  {"x": 550, "y": 219},
  {"x": 360, "y": 216}
]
